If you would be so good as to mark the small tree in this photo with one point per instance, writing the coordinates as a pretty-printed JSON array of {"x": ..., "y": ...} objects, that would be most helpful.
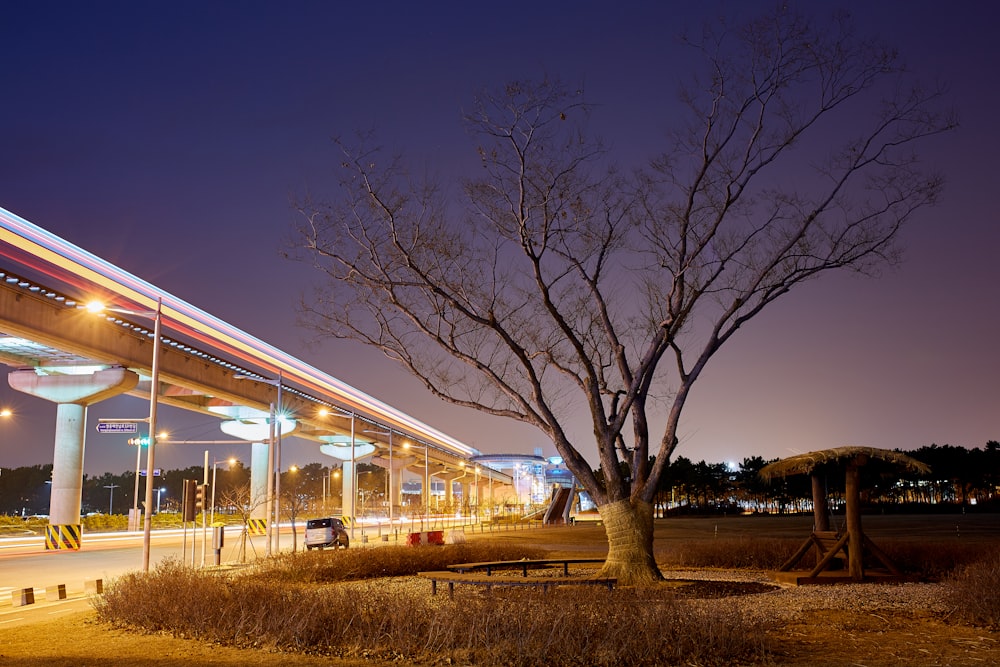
[
  {"x": 561, "y": 283},
  {"x": 239, "y": 501}
]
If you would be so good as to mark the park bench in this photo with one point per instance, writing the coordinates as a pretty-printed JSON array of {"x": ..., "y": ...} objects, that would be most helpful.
[
  {"x": 489, "y": 581},
  {"x": 523, "y": 565}
]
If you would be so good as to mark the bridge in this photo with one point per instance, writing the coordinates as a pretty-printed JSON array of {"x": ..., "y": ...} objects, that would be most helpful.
[{"x": 153, "y": 345}]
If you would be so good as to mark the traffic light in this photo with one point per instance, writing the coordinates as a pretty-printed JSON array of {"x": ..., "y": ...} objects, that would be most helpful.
[
  {"x": 139, "y": 442},
  {"x": 202, "y": 501}
]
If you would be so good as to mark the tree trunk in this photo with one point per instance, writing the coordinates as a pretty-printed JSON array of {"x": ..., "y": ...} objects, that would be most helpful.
[
  {"x": 629, "y": 528},
  {"x": 821, "y": 516}
]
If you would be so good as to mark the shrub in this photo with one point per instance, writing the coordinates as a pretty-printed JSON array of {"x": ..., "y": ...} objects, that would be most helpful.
[
  {"x": 392, "y": 561},
  {"x": 515, "y": 628},
  {"x": 972, "y": 594}
]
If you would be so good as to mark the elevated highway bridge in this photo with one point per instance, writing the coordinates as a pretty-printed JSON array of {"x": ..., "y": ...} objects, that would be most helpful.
[{"x": 60, "y": 350}]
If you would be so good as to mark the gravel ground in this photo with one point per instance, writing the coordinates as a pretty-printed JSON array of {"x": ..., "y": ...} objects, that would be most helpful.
[
  {"x": 757, "y": 595},
  {"x": 790, "y": 602}
]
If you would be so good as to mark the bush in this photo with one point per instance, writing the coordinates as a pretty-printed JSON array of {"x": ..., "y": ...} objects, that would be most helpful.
[
  {"x": 317, "y": 567},
  {"x": 515, "y": 628},
  {"x": 972, "y": 594}
]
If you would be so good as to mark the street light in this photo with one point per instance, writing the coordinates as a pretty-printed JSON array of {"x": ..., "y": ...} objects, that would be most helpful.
[
  {"x": 273, "y": 466},
  {"x": 111, "y": 500},
  {"x": 154, "y": 390},
  {"x": 159, "y": 492},
  {"x": 425, "y": 488}
]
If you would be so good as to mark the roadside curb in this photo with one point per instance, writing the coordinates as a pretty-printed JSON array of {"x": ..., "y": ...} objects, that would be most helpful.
[{"x": 21, "y": 597}]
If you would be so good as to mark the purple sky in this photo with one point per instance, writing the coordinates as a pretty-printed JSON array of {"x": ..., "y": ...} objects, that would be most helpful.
[{"x": 169, "y": 138}]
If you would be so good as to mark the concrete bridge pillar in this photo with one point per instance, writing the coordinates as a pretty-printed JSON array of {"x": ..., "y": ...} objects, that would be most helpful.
[
  {"x": 72, "y": 394},
  {"x": 395, "y": 468},
  {"x": 258, "y": 432},
  {"x": 350, "y": 452}
]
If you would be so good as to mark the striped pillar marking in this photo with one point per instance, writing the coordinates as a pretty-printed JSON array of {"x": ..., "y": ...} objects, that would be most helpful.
[
  {"x": 257, "y": 526},
  {"x": 62, "y": 537}
]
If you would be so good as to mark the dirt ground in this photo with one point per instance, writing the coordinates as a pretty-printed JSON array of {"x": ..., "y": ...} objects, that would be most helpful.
[{"x": 815, "y": 639}]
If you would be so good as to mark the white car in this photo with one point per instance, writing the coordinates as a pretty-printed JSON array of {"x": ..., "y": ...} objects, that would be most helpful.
[{"x": 326, "y": 532}]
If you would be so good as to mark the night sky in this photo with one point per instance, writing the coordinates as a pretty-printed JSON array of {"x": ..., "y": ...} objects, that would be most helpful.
[{"x": 171, "y": 137}]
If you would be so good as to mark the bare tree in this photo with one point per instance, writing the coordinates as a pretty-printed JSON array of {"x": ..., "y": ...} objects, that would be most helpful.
[
  {"x": 295, "y": 500},
  {"x": 239, "y": 500},
  {"x": 558, "y": 282}
]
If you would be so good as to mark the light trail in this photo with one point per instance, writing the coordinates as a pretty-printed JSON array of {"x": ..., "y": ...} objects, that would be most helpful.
[{"x": 180, "y": 315}]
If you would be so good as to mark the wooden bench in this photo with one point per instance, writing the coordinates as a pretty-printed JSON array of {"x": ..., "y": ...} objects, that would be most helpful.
[
  {"x": 523, "y": 565},
  {"x": 452, "y": 578}
]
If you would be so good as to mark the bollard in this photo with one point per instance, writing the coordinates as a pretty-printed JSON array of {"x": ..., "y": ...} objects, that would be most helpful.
[
  {"x": 93, "y": 587},
  {"x": 22, "y": 596},
  {"x": 57, "y": 592},
  {"x": 218, "y": 541}
]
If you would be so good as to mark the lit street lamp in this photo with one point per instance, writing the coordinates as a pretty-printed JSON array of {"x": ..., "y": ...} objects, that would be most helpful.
[
  {"x": 159, "y": 492},
  {"x": 154, "y": 390}
]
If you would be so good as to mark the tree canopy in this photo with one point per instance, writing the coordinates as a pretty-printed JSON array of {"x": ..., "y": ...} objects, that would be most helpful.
[{"x": 559, "y": 281}]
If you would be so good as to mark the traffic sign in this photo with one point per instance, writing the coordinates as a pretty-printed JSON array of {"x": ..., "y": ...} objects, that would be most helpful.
[
  {"x": 156, "y": 472},
  {"x": 117, "y": 427}
]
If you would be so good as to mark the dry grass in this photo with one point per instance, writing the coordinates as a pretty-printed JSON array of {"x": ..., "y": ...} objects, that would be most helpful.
[
  {"x": 973, "y": 594},
  {"x": 486, "y": 629},
  {"x": 319, "y": 567},
  {"x": 288, "y": 603}
]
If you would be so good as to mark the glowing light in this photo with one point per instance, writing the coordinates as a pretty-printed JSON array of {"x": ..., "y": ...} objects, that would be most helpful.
[{"x": 204, "y": 327}]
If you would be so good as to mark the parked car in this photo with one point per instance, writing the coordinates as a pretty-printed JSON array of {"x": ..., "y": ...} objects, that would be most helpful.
[{"x": 326, "y": 532}]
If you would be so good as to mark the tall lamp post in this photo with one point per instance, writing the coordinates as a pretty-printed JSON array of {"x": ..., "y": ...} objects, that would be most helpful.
[
  {"x": 154, "y": 391},
  {"x": 111, "y": 500}
]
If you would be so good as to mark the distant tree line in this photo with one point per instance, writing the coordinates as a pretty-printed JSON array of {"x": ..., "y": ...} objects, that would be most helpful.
[
  {"x": 959, "y": 477},
  {"x": 25, "y": 491}
]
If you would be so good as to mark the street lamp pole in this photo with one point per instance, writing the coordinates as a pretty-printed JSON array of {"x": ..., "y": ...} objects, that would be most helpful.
[
  {"x": 354, "y": 480},
  {"x": 277, "y": 473},
  {"x": 154, "y": 391},
  {"x": 111, "y": 500}
]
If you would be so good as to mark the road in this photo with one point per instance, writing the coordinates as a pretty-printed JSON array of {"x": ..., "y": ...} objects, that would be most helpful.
[{"x": 24, "y": 563}]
